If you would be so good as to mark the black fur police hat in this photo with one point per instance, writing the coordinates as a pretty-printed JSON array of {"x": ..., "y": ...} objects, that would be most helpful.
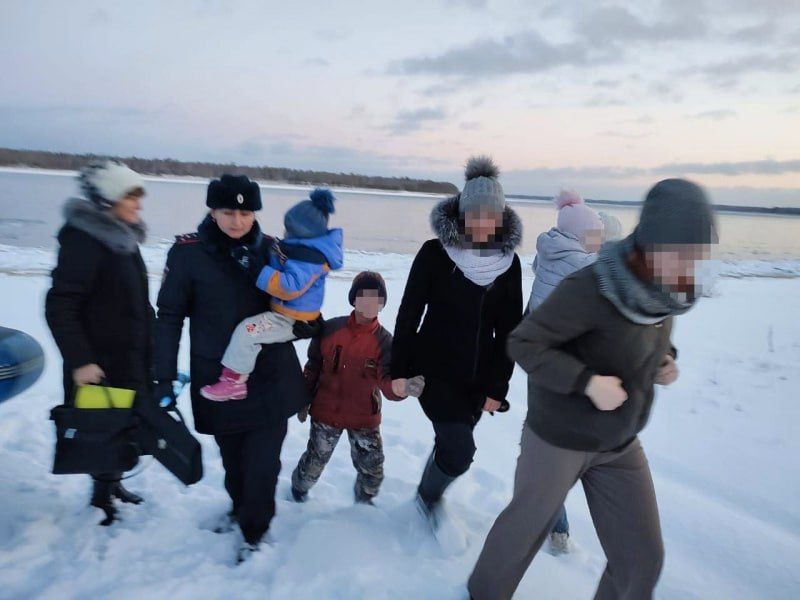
[{"x": 234, "y": 192}]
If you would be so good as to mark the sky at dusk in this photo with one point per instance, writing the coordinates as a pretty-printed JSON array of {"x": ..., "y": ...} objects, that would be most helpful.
[{"x": 603, "y": 97}]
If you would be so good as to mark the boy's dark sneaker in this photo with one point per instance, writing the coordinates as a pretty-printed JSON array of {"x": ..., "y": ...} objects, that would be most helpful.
[{"x": 299, "y": 496}]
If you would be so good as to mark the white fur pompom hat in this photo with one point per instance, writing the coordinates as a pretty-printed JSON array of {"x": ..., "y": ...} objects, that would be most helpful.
[{"x": 105, "y": 182}]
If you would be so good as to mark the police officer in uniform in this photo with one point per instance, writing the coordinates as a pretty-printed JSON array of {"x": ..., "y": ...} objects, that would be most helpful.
[{"x": 203, "y": 281}]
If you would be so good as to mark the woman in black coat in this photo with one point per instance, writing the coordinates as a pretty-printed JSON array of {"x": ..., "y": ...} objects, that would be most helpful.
[
  {"x": 204, "y": 282},
  {"x": 98, "y": 308},
  {"x": 469, "y": 280}
]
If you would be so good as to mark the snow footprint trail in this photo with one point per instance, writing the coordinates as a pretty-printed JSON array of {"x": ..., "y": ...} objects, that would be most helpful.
[
  {"x": 725, "y": 479},
  {"x": 343, "y": 550}
]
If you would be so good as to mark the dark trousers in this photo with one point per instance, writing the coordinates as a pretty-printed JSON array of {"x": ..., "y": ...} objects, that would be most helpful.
[
  {"x": 252, "y": 462},
  {"x": 454, "y": 447},
  {"x": 622, "y": 502}
]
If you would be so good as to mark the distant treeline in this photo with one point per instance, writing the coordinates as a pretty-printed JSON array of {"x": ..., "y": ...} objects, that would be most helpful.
[
  {"x": 770, "y": 210},
  {"x": 168, "y": 166}
]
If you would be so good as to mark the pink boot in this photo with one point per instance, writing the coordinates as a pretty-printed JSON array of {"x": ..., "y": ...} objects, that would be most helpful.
[{"x": 231, "y": 386}]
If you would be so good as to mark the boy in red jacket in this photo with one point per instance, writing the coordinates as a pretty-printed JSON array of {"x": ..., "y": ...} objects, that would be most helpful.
[{"x": 347, "y": 369}]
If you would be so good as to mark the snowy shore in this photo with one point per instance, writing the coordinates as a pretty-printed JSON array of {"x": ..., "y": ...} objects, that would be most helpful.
[
  {"x": 267, "y": 185},
  {"x": 723, "y": 444}
]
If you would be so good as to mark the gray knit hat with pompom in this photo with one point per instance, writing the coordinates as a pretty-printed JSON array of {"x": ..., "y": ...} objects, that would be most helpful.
[{"x": 482, "y": 190}]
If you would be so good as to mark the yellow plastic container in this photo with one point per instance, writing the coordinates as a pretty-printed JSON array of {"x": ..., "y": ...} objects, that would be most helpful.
[{"x": 98, "y": 396}]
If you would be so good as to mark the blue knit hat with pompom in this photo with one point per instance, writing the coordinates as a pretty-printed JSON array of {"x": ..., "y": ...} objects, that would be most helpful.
[{"x": 309, "y": 218}]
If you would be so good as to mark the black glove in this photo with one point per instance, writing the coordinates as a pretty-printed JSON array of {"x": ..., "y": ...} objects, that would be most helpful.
[
  {"x": 247, "y": 260},
  {"x": 304, "y": 330},
  {"x": 161, "y": 390}
]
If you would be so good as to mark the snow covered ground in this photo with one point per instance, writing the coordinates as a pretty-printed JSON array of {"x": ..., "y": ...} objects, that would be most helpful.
[{"x": 723, "y": 444}]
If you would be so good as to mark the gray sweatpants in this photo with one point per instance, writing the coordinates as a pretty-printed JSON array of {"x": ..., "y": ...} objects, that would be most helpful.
[
  {"x": 622, "y": 502},
  {"x": 265, "y": 328},
  {"x": 366, "y": 452}
]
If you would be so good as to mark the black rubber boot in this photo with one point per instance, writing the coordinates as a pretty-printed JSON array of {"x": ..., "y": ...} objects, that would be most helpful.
[
  {"x": 432, "y": 486},
  {"x": 118, "y": 491},
  {"x": 299, "y": 496},
  {"x": 101, "y": 498},
  {"x": 226, "y": 523}
]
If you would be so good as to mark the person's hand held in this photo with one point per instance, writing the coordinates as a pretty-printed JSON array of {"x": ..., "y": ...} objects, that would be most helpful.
[
  {"x": 415, "y": 386},
  {"x": 399, "y": 387},
  {"x": 164, "y": 391},
  {"x": 86, "y": 374},
  {"x": 668, "y": 372},
  {"x": 491, "y": 405},
  {"x": 304, "y": 330},
  {"x": 606, "y": 392}
]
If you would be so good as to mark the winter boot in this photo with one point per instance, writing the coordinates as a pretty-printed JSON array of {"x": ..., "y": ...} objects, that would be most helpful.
[
  {"x": 246, "y": 550},
  {"x": 299, "y": 496},
  {"x": 231, "y": 386},
  {"x": 101, "y": 498},
  {"x": 362, "y": 497},
  {"x": 431, "y": 488},
  {"x": 559, "y": 543},
  {"x": 126, "y": 496},
  {"x": 226, "y": 523}
]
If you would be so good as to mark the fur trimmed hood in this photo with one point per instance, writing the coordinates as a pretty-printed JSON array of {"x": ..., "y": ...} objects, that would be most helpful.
[
  {"x": 445, "y": 222},
  {"x": 98, "y": 222}
]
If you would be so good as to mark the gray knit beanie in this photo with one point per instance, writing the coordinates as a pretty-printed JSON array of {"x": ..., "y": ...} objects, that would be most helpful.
[
  {"x": 676, "y": 211},
  {"x": 482, "y": 190}
]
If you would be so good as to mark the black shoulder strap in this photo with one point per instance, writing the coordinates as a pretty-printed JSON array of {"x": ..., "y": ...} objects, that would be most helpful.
[{"x": 302, "y": 253}]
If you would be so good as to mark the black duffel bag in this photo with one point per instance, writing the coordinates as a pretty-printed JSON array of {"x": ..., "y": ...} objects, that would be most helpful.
[
  {"x": 94, "y": 441},
  {"x": 169, "y": 441}
]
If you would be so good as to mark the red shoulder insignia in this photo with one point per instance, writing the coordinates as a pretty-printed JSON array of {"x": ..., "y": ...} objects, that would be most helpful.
[{"x": 187, "y": 238}]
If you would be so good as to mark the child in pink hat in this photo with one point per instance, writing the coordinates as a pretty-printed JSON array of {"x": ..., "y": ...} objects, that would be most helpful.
[{"x": 566, "y": 248}]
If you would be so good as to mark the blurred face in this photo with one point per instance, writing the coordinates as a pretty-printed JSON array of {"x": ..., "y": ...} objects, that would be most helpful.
[
  {"x": 674, "y": 266},
  {"x": 233, "y": 222},
  {"x": 127, "y": 208},
  {"x": 593, "y": 240},
  {"x": 482, "y": 225},
  {"x": 368, "y": 304}
]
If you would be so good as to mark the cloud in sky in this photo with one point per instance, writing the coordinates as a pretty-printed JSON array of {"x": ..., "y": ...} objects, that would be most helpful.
[
  {"x": 423, "y": 82},
  {"x": 714, "y": 115},
  {"x": 617, "y": 25},
  {"x": 475, "y": 4},
  {"x": 408, "y": 121},
  {"x": 526, "y": 52},
  {"x": 300, "y": 153},
  {"x": 755, "y": 34},
  {"x": 752, "y": 167},
  {"x": 725, "y": 72}
]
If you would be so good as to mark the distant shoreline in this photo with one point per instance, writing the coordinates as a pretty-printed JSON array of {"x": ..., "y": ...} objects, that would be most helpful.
[
  {"x": 729, "y": 208},
  {"x": 365, "y": 189},
  {"x": 272, "y": 185},
  {"x": 64, "y": 161}
]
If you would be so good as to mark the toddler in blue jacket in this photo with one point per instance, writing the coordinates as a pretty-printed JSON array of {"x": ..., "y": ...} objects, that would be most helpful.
[{"x": 295, "y": 279}]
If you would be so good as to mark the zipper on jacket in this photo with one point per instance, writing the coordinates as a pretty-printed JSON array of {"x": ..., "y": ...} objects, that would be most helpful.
[
  {"x": 478, "y": 334},
  {"x": 337, "y": 355}
]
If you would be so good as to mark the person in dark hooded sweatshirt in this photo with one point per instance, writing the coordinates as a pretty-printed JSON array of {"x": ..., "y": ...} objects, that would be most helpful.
[
  {"x": 593, "y": 351},
  {"x": 468, "y": 282},
  {"x": 98, "y": 308}
]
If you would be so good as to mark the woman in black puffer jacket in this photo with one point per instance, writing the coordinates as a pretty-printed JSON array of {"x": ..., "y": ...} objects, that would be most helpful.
[{"x": 469, "y": 281}]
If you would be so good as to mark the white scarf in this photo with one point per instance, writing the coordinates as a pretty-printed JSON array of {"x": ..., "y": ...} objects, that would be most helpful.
[{"x": 480, "y": 268}]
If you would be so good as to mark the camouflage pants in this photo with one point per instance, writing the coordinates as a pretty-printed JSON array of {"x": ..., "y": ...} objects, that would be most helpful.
[{"x": 366, "y": 452}]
